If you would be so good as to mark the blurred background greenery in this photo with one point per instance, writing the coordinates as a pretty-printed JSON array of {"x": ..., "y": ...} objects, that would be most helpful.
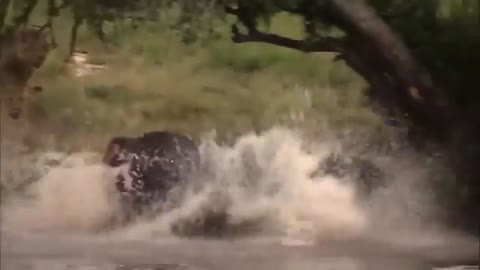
[
  {"x": 182, "y": 72},
  {"x": 155, "y": 80}
]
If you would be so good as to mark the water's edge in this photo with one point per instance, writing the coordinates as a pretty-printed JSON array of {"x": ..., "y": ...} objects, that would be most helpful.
[{"x": 208, "y": 254}]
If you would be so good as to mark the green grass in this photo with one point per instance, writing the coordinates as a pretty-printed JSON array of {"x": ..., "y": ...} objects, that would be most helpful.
[{"x": 155, "y": 81}]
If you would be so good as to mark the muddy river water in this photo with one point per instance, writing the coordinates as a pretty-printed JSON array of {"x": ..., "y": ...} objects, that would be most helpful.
[{"x": 303, "y": 223}]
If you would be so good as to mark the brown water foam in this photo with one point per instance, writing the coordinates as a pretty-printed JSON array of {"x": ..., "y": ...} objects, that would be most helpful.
[{"x": 265, "y": 180}]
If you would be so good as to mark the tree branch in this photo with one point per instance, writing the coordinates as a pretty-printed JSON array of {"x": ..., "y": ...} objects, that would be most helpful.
[
  {"x": 320, "y": 44},
  {"x": 426, "y": 99},
  {"x": 4, "y": 4},
  {"x": 23, "y": 17},
  {"x": 364, "y": 20},
  {"x": 78, "y": 20}
]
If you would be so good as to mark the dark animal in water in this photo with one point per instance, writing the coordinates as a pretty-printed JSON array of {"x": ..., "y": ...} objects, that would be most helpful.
[
  {"x": 367, "y": 176},
  {"x": 155, "y": 162}
]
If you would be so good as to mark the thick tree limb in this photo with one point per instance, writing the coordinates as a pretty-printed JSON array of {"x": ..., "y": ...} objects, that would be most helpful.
[
  {"x": 366, "y": 22},
  {"x": 4, "y": 4},
  {"x": 426, "y": 102},
  {"x": 320, "y": 44},
  {"x": 53, "y": 11},
  {"x": 23, "y": 17},
  {"x": 78, "y": 20},
  {"x": 373, "y": 49}
]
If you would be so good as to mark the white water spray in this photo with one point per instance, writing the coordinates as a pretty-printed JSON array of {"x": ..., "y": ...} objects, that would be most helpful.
[{"x": 263, "y": 182}]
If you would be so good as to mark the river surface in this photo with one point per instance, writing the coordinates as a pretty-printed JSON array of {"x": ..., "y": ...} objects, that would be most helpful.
[
  {"x": 43, "y": 252},
  {"x": 302, "y": 221}
]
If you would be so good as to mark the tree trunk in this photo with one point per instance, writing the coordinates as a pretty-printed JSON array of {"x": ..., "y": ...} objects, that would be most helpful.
[
  {"x": 23, "y": 17},
  {"x": 418, "y": 94},
  {"x": 398, "y": 83},
  {"x": 4, "y": 4},
  {"x": 73, "y": 36}
]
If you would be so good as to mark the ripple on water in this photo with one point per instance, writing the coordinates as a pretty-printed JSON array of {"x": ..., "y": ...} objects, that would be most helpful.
[
  {"x": 88, "y": 264},
  {"x": 63, "y": 264}
]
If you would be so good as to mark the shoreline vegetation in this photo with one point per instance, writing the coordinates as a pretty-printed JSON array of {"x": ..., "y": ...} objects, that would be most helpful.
[
  {"x": 148, "y": 78},
  {"x": 193, "y": 72}
]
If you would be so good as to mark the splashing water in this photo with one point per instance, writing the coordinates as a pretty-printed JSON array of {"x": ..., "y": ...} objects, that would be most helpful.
[
  {"x": 264, "y": 179},
  {"x": 264, "y": 183}
]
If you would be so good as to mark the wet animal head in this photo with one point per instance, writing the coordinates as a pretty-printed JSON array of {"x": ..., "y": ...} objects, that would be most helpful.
[
  {"x": 118, "y": 151},
  {"x": 150, "y": 165},
  {"x": 130, "y": 182}
]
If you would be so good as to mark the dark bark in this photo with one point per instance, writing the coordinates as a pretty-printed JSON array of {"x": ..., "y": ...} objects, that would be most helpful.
[
  {"x": 73, "y": 35},
  {"x": 386, "y": 91},
  {"x": 402, "y": 86},
  {"x": 418, "y": 94},
  {"x": 412, "y": 89},
  {"x": 23, "y": 17},
  {"x": 320, "y": 44},
  {"x": 379, "y": 55},
  {"x": 4, "y": 4},
  {"x": 52, "y": 12}
]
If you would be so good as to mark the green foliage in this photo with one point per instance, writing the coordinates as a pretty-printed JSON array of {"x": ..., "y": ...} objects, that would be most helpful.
[
  {"x": 156, "y": 81},
  {"x": 195, "y": 24},
  {"x": 116, "y": 94},
  {"x": 443, "y": 34}
]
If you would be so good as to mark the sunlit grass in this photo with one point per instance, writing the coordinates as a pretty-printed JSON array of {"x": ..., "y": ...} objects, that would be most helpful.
[{"x": 155, "y": 81}]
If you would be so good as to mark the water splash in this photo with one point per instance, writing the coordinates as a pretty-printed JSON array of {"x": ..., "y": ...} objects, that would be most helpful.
[
  {"x": 262, "y": 185},
  {"x": 265, "y": 182}
]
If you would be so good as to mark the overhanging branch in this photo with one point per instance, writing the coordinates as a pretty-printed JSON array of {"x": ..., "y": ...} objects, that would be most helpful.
[
  {"x": 426, "y": 100},
  {"x": 23, "y": 17},
  {"x": 4, "y": 4},
  {"x": 319, "y": 44}
]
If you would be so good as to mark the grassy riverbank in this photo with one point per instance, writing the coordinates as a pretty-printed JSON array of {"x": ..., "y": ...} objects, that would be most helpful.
[{"x": 156, "y": 80}]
